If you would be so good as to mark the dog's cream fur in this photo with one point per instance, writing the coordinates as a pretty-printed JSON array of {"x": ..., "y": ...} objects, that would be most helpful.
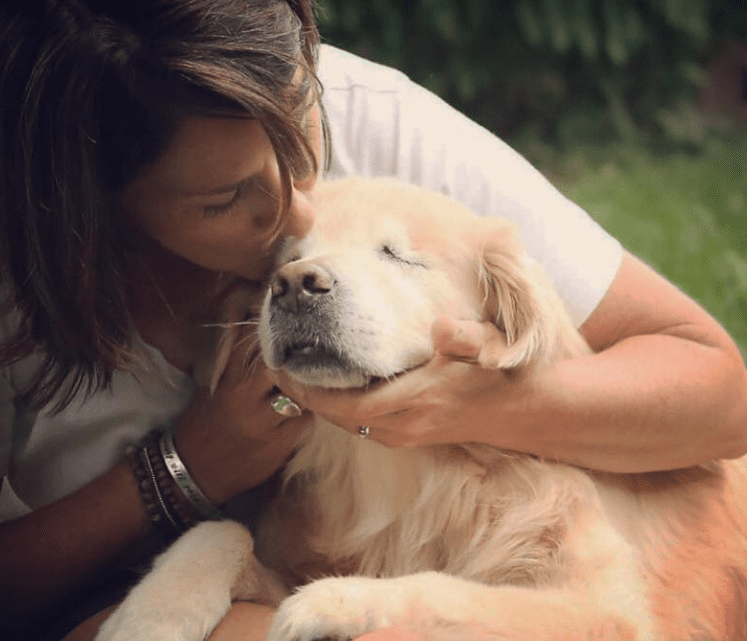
[{"x": 459, "y": 541}]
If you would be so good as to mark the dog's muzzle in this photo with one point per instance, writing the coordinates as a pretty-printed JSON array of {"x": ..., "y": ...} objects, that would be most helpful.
[
  {"x": 301, "y": 287},
  {"x": 304, "y": 316}
]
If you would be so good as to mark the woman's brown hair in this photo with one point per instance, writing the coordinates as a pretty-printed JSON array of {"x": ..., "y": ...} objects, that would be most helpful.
[{"x": 91, "y": 91}]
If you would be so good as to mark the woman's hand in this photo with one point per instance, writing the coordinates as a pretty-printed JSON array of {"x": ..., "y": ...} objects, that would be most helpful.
[
  {"x": 444, "y": 401},
  {"x": 231, "y": 439}
]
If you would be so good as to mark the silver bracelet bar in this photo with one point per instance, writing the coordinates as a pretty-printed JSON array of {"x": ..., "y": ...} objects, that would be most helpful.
[
  {"x": 157, "y": 490},
  {"x": 184, "y": 481}
]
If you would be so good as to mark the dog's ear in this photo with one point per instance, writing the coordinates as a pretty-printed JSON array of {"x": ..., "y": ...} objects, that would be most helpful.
[{"x": 518, "y": 297}]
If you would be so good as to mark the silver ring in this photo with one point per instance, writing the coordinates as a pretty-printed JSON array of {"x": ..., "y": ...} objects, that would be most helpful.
[
  {"x": 285, "y": 406},
  {"x": 364, "y": 431}
]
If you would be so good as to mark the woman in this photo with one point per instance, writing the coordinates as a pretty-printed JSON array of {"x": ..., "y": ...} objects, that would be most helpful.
[{"x": 153, "y": 155}]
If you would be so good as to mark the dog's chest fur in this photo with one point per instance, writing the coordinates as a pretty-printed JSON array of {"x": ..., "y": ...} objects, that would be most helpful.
[{"x": 356, "y": 507}]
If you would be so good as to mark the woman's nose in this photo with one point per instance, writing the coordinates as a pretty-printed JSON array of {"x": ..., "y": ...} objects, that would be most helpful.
[
  {"x": 300, "y": 217},
  {"x": 307, "y": 183}
]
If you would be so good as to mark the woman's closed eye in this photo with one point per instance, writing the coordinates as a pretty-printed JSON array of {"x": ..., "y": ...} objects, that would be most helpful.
[
  {"x": 218, "y": 209},
  {"x": 252, "y": 194}
]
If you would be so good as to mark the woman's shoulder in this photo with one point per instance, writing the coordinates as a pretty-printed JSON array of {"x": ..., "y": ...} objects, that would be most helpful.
[
  {"x": 383, "y": 124},
  {"x": 340, "y": 70}
]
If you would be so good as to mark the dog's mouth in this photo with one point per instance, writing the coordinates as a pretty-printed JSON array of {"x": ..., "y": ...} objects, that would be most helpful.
[
  {"x": 320, "y": 350},
  {"x": 321, "y": 364},
  {"x": 312, "y": 355}
]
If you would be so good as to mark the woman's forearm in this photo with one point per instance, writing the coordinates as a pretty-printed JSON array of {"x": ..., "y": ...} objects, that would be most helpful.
[
  {"x": 667, "y": 387},
  {"x": 646, "y": 403},
  {"x": 60, "y": 546}
]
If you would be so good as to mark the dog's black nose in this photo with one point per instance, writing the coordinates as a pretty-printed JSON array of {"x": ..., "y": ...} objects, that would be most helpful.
[{"x": 296, "y": 286}]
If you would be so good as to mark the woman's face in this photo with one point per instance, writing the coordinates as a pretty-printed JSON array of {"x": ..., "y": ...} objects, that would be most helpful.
[{"x": 213, "y": 196}]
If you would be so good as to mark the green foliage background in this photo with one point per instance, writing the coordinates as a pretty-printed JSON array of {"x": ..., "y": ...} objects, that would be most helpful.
[
  {"x": 602, "y": 96},
  {"x": 684, "y": 213},
  {"x": 622, "y": 68}
]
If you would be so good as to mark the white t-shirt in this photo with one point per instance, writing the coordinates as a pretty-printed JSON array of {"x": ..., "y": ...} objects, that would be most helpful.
[{"x": 381, "y": 125}]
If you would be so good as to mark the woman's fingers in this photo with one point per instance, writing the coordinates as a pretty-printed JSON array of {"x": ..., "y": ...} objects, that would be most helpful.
[
  {"x": 388, "y": 408},
  {"x": 416, "y": 407},
  {"x": 481, "y": 343}
]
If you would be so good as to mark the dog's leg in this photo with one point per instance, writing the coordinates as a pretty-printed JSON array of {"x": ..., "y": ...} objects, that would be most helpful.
[
  {"x": 191, "y": 587},
  {"x": 596, "y": 592},
  {"x": 446, "y": 608}
]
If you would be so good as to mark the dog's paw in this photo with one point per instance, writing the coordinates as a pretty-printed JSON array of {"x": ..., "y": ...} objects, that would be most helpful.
[
  {"x": 140, "y": 631},
  {"x": 150, "y": 613},
  {"x": 189, "y": 589},
  {"x": 339, "y": 608},
  {"x": 126, "y": 624},
  {"x": 155, "y": 615},
  {"x": 131, "y": 622}
]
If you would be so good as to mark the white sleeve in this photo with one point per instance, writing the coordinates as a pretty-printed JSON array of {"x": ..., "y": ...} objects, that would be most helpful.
[
  {"x": 49, "y": 454},
  {"x": 382, "y": 124}
]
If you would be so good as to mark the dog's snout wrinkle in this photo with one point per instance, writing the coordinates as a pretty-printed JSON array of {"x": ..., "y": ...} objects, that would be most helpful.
[{"x": 296, "y": 286}]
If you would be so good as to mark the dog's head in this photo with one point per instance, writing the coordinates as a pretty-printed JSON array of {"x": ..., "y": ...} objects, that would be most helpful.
[{"x": 356, "y": 299}]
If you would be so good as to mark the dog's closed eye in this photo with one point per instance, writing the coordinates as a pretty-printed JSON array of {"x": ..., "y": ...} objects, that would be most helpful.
[{"x": 391, "y": 253}]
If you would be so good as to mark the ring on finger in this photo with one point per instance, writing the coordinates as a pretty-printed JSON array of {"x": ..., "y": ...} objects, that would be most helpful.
[
  {"x": 364, "y": 431},
  {"x": 285, "y": 406}
]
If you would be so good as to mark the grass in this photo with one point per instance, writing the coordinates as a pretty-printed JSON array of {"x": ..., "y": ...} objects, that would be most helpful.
[{"x": 684, "y": 213}]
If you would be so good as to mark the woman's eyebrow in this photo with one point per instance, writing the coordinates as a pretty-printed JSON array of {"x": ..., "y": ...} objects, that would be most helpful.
[{"x": 223, "y": 189}]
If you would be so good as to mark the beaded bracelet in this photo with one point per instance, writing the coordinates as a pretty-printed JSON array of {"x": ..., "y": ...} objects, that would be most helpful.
[
  {"x": 163, "y": 521},
  {"x": 166, "y": 509},
  {"x": 172, "y": 500}
]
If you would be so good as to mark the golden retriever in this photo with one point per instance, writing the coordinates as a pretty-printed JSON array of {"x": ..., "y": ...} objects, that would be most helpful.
[{"x": 458, "y": 541}]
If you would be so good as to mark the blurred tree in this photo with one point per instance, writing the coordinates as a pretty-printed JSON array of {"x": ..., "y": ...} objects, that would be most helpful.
[{"x": 611, "y": 69}]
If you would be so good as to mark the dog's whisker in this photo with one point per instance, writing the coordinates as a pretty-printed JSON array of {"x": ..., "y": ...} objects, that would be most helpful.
[
  {"x": 251, "y": 339},
  {"x": 231, "y": 324},
  {"x": 250, "y": 345},
  {"x": 251, "y": 366}
]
